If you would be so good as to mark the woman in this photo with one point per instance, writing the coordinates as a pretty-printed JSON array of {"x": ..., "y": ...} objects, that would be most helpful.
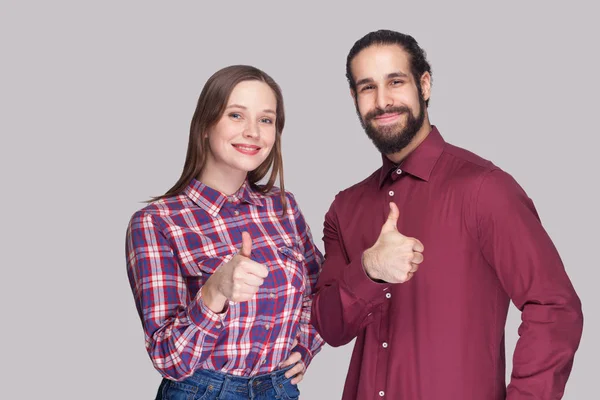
[{"x": 222, "y": 268}]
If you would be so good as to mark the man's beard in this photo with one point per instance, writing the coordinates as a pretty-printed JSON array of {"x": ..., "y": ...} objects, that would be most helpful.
[{"x": 393, "y": 138}]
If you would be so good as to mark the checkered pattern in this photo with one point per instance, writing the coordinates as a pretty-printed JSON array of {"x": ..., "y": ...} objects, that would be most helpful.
[{"x": 175, "y": 244}]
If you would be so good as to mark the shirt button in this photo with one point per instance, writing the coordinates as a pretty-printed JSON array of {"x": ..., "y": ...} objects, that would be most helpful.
[
  {"x": 388, "y": 295},
  {"x": 236, "y": 212},
  {"x": 381, "y": 393},
  {"x": 272, "y": 295},
  {"x": 391, "y": 192},
  {"x": 398, "y": 171},
  {"x": 263, "y": 362},
  {"x": 267, "y": 326},
  {"x": 218, "y": 325},
  {"x": 385, "y": 345}
]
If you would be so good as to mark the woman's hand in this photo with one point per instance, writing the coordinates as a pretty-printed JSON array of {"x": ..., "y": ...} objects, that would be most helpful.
[
  {"x": 238, "y": 280},
  {"x": 298, "y": 370}
]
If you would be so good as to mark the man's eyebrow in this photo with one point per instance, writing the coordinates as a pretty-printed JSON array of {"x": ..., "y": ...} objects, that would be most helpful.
[
  {"x": 266, "y": 110},
  {"x": 397, "y": 75},
  {"x": 364, "y": 80}
]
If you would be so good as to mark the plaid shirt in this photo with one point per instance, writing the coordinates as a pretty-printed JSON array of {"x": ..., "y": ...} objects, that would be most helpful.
[{"x": 174, "y": 245}]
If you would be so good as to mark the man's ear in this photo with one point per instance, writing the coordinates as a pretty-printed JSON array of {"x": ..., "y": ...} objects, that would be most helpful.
[{"x": 426, "y": 85}]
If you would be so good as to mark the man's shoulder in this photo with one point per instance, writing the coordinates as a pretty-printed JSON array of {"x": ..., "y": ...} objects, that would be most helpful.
[
  {"x": 462, "y": 168},
  {"x": 468, "y": 159},
  {"x": 465, "y": 170}
]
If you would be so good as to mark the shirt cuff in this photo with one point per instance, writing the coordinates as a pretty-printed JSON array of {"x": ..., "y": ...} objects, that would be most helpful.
[
  {"x": 306, "y": 355},
  {"x": 361, "y": 286},
  {"x": 206, "y": 319}
]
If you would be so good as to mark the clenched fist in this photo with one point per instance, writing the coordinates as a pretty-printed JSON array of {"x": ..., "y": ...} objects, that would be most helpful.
[
  {"x": 394, "y": 258},
  {"x": 238, "y": 280}
]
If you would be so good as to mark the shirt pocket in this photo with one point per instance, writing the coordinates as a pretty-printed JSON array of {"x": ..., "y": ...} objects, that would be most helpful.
[
  {"x": 205, "y": 259},
  {"x": 294, "y": 265}
]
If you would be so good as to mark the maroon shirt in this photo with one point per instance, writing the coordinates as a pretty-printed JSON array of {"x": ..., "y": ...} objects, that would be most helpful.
[{"x": 441, "y": 334}]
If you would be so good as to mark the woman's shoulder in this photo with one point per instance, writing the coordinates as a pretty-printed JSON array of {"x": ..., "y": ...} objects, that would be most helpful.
[{"x": 162, "y": 208}]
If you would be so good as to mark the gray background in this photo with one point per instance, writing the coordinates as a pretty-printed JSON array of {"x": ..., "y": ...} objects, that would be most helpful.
[{"x": 96, "y": 101}]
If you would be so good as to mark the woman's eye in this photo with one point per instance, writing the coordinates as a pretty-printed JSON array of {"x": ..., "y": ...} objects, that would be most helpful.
[
  {"x": 235, "y": 115},
  {"x": 266, "y": 120}
]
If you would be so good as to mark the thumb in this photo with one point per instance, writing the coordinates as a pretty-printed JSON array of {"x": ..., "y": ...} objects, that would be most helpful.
[
  {"x": 246, "y": 244},
  {"x": 391, "y": 223}
]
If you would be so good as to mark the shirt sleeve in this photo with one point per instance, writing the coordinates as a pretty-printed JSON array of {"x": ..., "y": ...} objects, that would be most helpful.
[
  {"x": 180, "y": 331},
  {"x": 346, "y": 297},
  {"x": 529, "y": 268},
  {"x": 309, "y": 341}
]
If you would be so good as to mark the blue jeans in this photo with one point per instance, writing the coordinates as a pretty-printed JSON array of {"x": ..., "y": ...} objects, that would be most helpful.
[{"x": 212, "y": 385}]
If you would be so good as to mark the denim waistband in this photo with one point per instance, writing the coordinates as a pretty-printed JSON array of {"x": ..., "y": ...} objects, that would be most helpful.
[{"x": 243, "y": 385}]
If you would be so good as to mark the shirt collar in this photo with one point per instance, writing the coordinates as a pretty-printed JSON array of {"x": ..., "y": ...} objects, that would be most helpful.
[
  {"x": 420, "y": 162},
  {"x": 211, "y": 200}
]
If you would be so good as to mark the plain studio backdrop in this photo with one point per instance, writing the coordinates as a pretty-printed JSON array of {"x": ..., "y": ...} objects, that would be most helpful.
[{"x": 96, "y": 103}]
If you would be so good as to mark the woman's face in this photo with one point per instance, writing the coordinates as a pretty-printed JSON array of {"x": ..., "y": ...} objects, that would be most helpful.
[{"x": 245, "y": 134}]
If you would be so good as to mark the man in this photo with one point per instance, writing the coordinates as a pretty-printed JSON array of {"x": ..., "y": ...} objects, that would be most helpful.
[{"x": 424, "y": 256}]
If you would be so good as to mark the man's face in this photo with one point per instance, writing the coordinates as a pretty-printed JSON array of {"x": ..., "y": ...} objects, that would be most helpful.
[{"x": 389, "y": 104}]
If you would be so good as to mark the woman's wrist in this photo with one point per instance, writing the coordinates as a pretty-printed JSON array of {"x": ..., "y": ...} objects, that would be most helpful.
[{"x": 212, "y": 297}]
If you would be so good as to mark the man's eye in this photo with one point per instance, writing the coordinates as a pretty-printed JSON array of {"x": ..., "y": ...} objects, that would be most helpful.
[
  {"x": 397, "y": 82},
  {"x": 367, "y": 87}
]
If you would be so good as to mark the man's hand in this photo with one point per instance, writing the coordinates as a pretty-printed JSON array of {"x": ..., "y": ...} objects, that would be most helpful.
[{"x": 394, "y": 258}]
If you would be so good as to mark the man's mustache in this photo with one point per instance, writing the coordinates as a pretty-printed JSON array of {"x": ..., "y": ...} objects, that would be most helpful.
[{"x": 390, "y": 110}]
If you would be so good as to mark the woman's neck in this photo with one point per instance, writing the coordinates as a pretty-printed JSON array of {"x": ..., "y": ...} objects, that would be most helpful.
[{"x": 226, "y": 182}]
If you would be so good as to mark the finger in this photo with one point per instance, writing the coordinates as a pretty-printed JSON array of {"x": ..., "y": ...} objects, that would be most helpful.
[
  {"x": 253, "y": 280},
  {"x": 415, "y": 267},
  {"x": 246, "y": 244},
  {"x": 296, "y": 369},
  {"x": 257, "y": 269},
  {"x": 297, "y": 379},
  {"x": 417, "y": 258},
  {"x": 418, "y": 246},
  {"x": 292, "y": 359},
  {"x": 391, "y": 223},
  {"x": 246, "y": 290},
  {"x": 244, "y": 293}
]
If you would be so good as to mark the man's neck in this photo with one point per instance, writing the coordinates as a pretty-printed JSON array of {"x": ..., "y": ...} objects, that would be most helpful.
[{"x": 398, "y": 157}]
